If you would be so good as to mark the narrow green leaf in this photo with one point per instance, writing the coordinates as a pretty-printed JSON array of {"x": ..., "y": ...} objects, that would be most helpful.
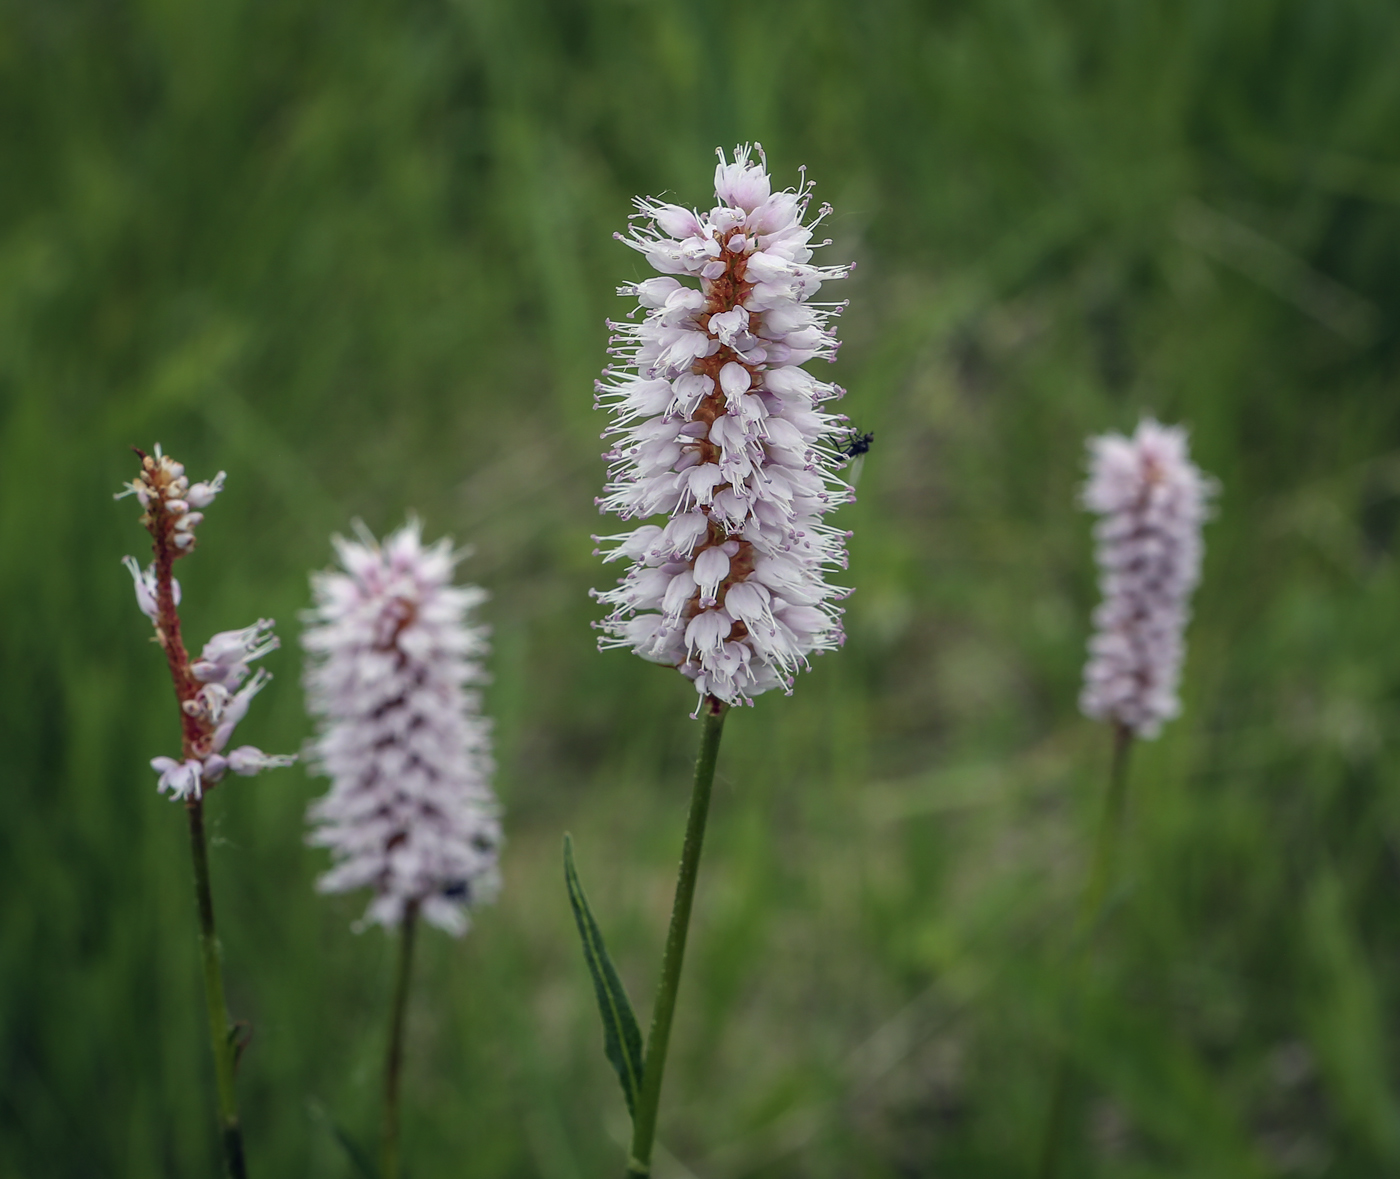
[{"x": 622, "y": 1041}]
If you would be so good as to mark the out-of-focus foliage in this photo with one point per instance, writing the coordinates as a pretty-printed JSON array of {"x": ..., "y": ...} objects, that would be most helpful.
[{"x": 358, "y": 254}]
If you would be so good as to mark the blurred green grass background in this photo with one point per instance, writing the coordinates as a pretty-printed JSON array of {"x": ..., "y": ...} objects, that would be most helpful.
[{"x": 359, "y": 254}]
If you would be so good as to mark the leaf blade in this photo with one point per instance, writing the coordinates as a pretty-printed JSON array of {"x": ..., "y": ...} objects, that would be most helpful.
[{"x": 622, "y": 1039}]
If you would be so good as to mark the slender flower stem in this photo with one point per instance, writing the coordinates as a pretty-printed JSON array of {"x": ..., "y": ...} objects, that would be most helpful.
[
  {"x": 220, "y": 1033},
  {"x": 1090, "y": 911},
  {"x": 1110, "y": 827},
  {"x": 393, "y": 1061},
  {"x": 644, "y": 1118}
]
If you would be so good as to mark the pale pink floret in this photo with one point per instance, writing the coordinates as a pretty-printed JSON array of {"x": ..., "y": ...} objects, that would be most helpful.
[
  {"x": 716, "y": 426},
  {"x": 145, "y": 580},
  {"x": 226, "y": 656},
  {"x": 1152, "y": 501},
  {"x": 182, "y": 779},
  {"x": 393, "y": 663}
]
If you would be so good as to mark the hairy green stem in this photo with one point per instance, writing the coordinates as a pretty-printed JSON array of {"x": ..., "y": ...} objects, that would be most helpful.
[
  {"x": 220, "y": 1032},
  {"x": 393, "y": 1061},
  {"x": 1090, "y": 910},
  {"x": 644, "y": 1118}
]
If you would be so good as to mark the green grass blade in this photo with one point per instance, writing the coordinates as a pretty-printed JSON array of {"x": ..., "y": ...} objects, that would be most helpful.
[{"x": 622, "y": 1040}]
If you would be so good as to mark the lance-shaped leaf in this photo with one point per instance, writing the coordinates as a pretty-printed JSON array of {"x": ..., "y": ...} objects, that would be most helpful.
[{"x": 622, "y": 1041}]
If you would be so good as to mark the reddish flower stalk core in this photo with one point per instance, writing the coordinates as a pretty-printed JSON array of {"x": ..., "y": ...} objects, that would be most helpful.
[{"x": 160, "y": 523}]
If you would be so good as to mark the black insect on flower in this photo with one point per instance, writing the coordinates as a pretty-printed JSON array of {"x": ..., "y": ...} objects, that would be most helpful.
[{"x": 858, "y": 445}]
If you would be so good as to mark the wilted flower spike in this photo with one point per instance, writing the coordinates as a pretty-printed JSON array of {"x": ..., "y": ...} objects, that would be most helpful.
[
  {"x": 205, "y": 687},
  {"x": 392, "y": 657},
  {"x": 1152, "y": 501},
  {"x": 717, "y": 426}
]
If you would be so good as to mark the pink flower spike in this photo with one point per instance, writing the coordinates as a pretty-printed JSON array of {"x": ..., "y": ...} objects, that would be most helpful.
[
  {"x": 741, "y": 456},
  {"x": 393, "y": 661},
  {"x": 1151, "y": 501}
]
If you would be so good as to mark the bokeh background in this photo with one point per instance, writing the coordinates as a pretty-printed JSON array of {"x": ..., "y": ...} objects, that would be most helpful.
[{"x": 358, "y": 253}]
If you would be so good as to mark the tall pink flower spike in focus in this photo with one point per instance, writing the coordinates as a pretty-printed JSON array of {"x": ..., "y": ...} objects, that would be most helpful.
[{"x": 718, "y": 427}]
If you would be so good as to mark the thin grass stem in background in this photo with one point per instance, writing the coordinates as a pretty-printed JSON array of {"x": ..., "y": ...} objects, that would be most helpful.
[
  {"x": 393, "y": 1059},
  {"x": 1091, "y": 906},
  {"x": 659, "y": 1037}
]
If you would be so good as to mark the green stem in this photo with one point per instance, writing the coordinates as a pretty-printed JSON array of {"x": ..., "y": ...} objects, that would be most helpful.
[
  {"x": 220, "y": 1033},
  {"x": 1090, "y": 911},
  {"x": 393, "y": 1061},
  {"x": 644, "y": 1118}
]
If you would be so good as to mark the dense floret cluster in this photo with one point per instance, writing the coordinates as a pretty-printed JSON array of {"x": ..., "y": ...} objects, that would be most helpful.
[
  {"x": 1152, "y": 501},
  {"x": 717, "y": 426},
  {"x": 393, "y": 656}
]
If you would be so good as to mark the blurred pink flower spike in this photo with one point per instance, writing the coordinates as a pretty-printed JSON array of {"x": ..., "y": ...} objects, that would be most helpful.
[
  {"x": 393, "y": 660},
  {"x": 1151, "y": 501}
]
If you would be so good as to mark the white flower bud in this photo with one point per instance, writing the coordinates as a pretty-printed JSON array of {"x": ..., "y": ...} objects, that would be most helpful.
[{"x": 201, "y": 495}]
